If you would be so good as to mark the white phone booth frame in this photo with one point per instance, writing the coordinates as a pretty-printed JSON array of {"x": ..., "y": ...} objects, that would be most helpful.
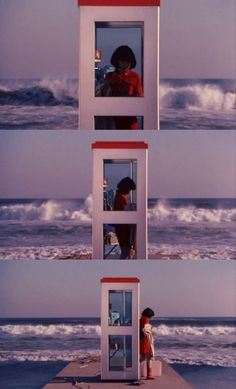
[
  {"x": 124, "y": 151},
  {"x": 119, "y": 11},
  {"x": 120, "y": 284}
]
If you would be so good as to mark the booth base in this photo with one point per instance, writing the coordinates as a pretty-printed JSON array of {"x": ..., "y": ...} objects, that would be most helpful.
[{"x": 85, "y": 374}]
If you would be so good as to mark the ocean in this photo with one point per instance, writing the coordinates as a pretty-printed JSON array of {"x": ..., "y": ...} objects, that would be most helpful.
[
  {"x": 202, "y": 350},
  {"x": 185, "y": 104},
  {"x": 62, "y": 229}
]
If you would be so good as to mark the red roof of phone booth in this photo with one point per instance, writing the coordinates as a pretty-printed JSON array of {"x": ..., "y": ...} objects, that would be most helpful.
[
  {"x": 119, "y": 145},
  {"x": 131, "y": 280},
  {"x": 133, "y": 3}
]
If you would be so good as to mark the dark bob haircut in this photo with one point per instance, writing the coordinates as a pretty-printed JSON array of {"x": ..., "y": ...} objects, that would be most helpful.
[
  {"x": 148, "y": 312},
  {"x": 123, "y": 53},
  {"x": 126, "y": 184}
]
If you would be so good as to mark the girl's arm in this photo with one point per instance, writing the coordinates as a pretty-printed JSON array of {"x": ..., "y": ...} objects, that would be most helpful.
[{"x": 139, "y": 88}]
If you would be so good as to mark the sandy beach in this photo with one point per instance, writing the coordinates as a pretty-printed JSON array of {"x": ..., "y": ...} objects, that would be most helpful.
[{"x": 158, "y": 256}]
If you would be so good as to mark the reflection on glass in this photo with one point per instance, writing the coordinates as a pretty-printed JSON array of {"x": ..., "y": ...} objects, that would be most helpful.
[
  {"x": 120, "y": 308},
  {"x": 128, "y": 351},
  {"x": 117, "y": 122},
  {"x": 119, "y": 241},
  {"x": 119, "y": 185},
  {"x": 120, "y": 352}
]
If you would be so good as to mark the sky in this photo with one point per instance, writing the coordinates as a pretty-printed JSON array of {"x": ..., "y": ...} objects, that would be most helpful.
[
  {"x": 171, "y": 288},
  {"x": 40, "y": 38},
  {"x": 58, "y": 164}
]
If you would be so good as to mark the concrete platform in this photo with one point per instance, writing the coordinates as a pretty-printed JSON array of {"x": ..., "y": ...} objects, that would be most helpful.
[{"x": 86, "y": 375}]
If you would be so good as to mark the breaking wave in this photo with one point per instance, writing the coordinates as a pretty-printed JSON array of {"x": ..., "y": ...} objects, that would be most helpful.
[
  {"x": 162, "y": 211},
  {"x": 48, "y": 210},
  {"x": 196, "y": 96},
  {"x": 80, "y": 330},
  {"x": 164, "y": 330},
  {"x": 189, "y": 95},
  {"x": 64, "y": 210},
  {"x": 94, "y": 331},
  {"x": 43, "y": 93}
]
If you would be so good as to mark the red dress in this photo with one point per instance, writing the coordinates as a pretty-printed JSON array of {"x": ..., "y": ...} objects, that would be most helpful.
[
  {"x": 144, "y": 345},
  {"x": 120, "y": 201},
  {"x": 127, "y": 83},
  {"x": 122, "y": 230}
]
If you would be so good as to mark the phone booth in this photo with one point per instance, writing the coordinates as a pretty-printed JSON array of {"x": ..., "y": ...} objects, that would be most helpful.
[
  {"x": 105, "y": 25},
  {"x": 120, "y": 329},
  {"x": 119, "y": 214}
]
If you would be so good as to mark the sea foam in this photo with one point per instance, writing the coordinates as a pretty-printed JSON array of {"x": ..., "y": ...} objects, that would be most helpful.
[
  {"x": 94, "y": 331},
  {"x": 162, "y": 211},
  {"x": 40, "y": 330},
  {"x": 196, "y": 96},
  {"x": 46, "y": 92},
  {"x": 164, "y": 330},
  {"x": 48, "y": 210}
]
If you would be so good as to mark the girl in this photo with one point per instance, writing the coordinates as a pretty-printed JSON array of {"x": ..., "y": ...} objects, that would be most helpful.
[
  {"x": 124, "y": 82},
  {"x": 146, "y": 343},
  {"x": 124, "y": 232}
]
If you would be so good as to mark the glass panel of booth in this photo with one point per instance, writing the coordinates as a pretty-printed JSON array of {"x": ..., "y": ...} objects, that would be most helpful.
[
  {"x": 119, "y": 69},
  {"x": 119, "y": 241},
  {"x": 119, "y": 184},
  {"x": 125, "y": 41},
  {"x": 120, "y": 352},
  {"x": 118, "y": 122},
  {"x": 120, "y": 308}
]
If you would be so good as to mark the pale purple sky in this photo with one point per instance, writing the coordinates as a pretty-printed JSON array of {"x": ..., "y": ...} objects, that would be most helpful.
[
  {"x": 171, "y": 288},
  {"x": 58, "y": 164},
  {"x": 40, "y": 38}
]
